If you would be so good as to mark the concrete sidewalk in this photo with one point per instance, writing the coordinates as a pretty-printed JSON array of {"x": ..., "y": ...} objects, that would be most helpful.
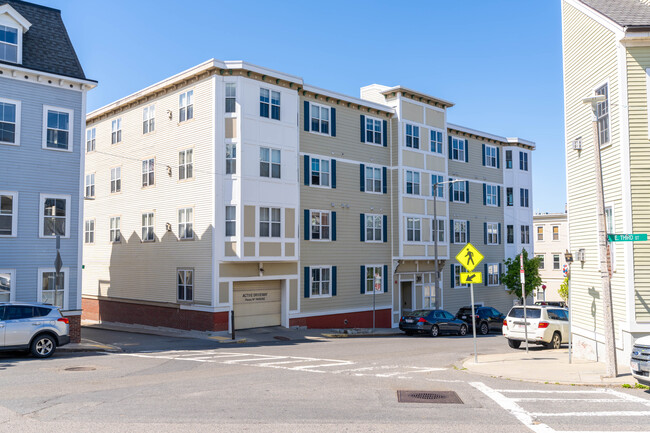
[
  {"x": 87, "y": 345},
  {"x": 546, "y": 366}
]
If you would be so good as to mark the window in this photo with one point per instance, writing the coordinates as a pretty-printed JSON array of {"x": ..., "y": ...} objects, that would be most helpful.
[
  {"x": 148, "y": 119},
  {"x": 90, "y": 139},
  {"x": 438, "y": 229},
  {"x": 53, "y": 288},
  {"x": 602, "y": 116},
  {"x": 412, "y": 182},
  {"x": 525, "y": 234},
  {"x": 491, "y": 195},
  {"x": 320, "y": 119},
  {"x": 490, "y": 156},
  {"x": 186, "y": 106},
  {"x": 270, "y": 162},
  {"x": 511, "y": 233},
  {"x": 147, "y": 227},
  {"x": 413, "y": 226},
  {"x": 116, "y": 131},
  {"x": 320, "y": 225},
  {"x": 510, "y": 197},
  {"x": 438, "y": 191},
  {"x": 9, "y": 44},
  {"x": 372, "y": 273},
  {"x": 185, "y": 220},
  {"x": 374, "y": 228},
  {"x": 430, "y": 295},
  {"x": 57, "y": 128},
  {"x": 373, "y": 131},
  {"x": 185, "y": 280},
  {"x": 458, "y": 149},
  {"x": 373, "y": 179},
  {"x": 89, "y": 232},
  {"x": 231, "y": 220},
  {"x": 274, "y": 104},
  {"x": 460, "y": 232},
  {"x": 7, "y": 283},
  {"x": 523, "y": 197},
  {"x": 540, "y": 259},
  {"x": 148, "y": 172},
  {"x": 231, "y": 97},
  {"x": 493, "y": 274},
  {"x": 320, "y": 172},
  {"x": 412, "y": 136},
  {"x": 116, "y": 179},
  {"x": 492, "y": 233},
  {"x": 9, "y": 120},
  {"x": 54, "y": 216},
  {"x": 436, "y": 141},
  {"x": 231, "y": 158},
  {"x": 459, "y": 191},
  {"x": 269, "y": 222},
  {"x": 457, "y": 270},
  {"x": 8, "y": 213},
  {"x": 115, "y": 235},
  {"x": 523, "y": 161},
  {"x": 556, "y": 233},
  {"x": 90, "y": 185},
  {"x": 320, "y": 281},
  {"x": 540, "y": 233},
  {"x": 185, "y": 164},
  {"x": 556, "y": 262},
  {"x": 508, "y": 158}
]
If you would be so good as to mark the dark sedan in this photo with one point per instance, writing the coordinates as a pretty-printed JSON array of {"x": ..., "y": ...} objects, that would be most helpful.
[
  {"x": 432, "y": 322},
  {"x": 487, "y": 318}
]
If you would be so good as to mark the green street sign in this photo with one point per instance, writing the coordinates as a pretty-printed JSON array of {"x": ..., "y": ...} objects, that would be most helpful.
[{"x": 633, "y": 237}]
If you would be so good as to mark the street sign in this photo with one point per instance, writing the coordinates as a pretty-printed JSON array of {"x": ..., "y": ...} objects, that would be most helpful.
[
  {"x": 471, "y": 277},
  {"x": 58, "y": 263},
  {"x": 469, "y": 257},
  {"x": 633, "y": 237},
  {"x": 378, "y": 283},
  {"x": 521, "y": 270}
]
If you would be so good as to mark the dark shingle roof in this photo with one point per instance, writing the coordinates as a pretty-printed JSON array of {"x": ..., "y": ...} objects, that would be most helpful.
[
  {"x": 625, "y": 13},
  {"x": 46, "y": 45}
]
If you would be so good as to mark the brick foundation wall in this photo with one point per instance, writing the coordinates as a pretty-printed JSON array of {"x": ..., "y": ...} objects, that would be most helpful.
[
  {"x": 102, "y": 310},
  {"x": 75, "y": 328},
  {"x": 361, "y": 319}
]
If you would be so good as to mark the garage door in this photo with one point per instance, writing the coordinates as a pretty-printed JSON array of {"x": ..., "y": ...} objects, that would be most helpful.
[{"x": 257, "y": 304}]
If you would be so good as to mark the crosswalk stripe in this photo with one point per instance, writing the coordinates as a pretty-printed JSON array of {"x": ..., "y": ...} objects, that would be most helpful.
[{"x": 612, "y": 413}]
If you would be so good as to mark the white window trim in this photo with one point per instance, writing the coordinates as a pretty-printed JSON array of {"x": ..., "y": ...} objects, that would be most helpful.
[
  {"x": 419, "y": 137},
  {"x": 178, "y": 166},
  {"x": 365, "y": 279},
  {"x": 153, "y": 225},
  {"x": 381, "y": 228},
  {"x": 12, "y": 287},
  {"x": 191, "y": 238},
  {"x": 329, "y": 173},
  {"x": 609, "y": 112},
  {"x": 406, "y": 193},
  {"x": 381, "y": 179},
  {"x": 111, "y": 180},
  {"x": 21, "y": 25},
  {"x": 320, "y": 106},
  {"x": 18, "y": 105},
  {"x": 270, "y": 207},
  {"x": 94, "y": 231},
  {"x": 155, "y": 174},
  {"x": 71, "y": 128},
  {"x": 453, "y": 282},
  {"x": 148, "y": 119},
  {"x": 270, "y": 177},
  {"x": 66, "y": 284},
  {"x": 488, "y": 275},
  {"x": 454, "y": 231},
  {"x": 93, "y": 132},
  {"x": 381, "y": 128},
  {"x": 230, "y": 238},
  {"x": 14, "y": 214},
  {"x": 406, "y": 229},
  {"x": 186, "y": 301},
  {"x": 465, "y": 142},
  {"x": 559, "y": 262},
  {"x": 225, "y": 98},
  {"x": 496, "y": 195},
  {"x": 496, "y": 151},
  {"x": 329, "y": 213},
  {"x": 118, "y": 126},
  {"x": 86, "y": 184},
  {"x": 461, "y": 186},
  {"x": 180, "y": 107},
  {"x": 41, "y": 210},
  {"x": 442, "y": 147},
  {"x": 444, "y": 187},
  {"x": 311, "y": 281},
  {"x": 120, "y": 229},
  {"x": 445, "y": 225}
]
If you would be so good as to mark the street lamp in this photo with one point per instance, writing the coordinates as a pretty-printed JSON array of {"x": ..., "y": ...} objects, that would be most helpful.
[
  {"x": 608, "y": 314},
  {"x": 435, "y": 240}
]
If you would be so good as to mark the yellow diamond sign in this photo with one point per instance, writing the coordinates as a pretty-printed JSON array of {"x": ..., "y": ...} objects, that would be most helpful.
[
  {"x": 471, "y": 278},
  {"x": 469, "y": 257}
]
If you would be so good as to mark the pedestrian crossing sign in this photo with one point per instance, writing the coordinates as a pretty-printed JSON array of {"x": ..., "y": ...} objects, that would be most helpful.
[
  {"x": 469, "y": 257},
  {"x": 471, "y": 278}
]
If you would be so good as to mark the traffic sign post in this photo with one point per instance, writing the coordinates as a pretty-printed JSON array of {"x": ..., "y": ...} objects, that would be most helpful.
[
  {"x": 376, "y": 288},
  {"x": 523, "y": 294},
  {"x": 470, "y": 257}
]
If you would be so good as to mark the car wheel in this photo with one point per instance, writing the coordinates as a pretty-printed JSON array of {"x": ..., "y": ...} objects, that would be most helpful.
[
  {"x": 434, "y": 331},
  {"x": 556, "y": 341},
  {"x": 463, "y": 330},
  {"x": 484, "y": 328},
  {"x": 43, "y": 346},
  {"x": 409, "y": 333},
  {"x": 514, "y": 344}
]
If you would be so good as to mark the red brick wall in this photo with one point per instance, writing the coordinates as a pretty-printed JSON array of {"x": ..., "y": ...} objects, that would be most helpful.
[
  {"x": 151, "y": 315},
  {"x": 362, "y": 319},
  {"x": 75, "y": 329}
]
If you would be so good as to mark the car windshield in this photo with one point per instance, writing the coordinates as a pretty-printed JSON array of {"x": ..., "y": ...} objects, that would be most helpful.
[
  {"x": 419, "y": 313},
  {"x": 531, "y": 313}
]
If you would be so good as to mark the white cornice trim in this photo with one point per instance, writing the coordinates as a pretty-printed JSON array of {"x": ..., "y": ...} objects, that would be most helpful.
[
  {"x": 13, "y": 13},
  {"x": 347, "y": 98},
  {"x": 506, "y": 140},
  {"x": 19, "y": 73}
]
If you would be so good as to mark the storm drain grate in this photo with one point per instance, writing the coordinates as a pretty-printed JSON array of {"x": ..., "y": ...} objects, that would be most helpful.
[
  {"x": 441, "y": 397},
  {"x": 282, "y": 338},
  {"x": 79, "y": 369}
]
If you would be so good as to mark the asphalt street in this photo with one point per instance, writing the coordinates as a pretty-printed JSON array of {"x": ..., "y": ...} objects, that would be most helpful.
[{"x": 169, "y": 384}]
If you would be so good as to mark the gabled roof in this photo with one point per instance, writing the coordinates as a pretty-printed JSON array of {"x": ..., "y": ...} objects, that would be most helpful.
[
  {"x": 46, "y": 45},
  {"x": 625, "y": 13}
]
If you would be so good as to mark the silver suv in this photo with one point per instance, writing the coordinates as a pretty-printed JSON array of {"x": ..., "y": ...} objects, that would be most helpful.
[{"x": 40, "y": 328}]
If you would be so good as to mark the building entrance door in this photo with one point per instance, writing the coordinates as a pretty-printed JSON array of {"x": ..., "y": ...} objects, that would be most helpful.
[{"x": 407, "y": 297}]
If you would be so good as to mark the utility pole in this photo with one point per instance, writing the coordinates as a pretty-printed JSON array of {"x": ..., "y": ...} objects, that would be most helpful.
[{"x": 435, "y": 237}]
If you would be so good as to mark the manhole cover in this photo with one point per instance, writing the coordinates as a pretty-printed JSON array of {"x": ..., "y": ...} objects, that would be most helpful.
[
  {"x": 79, "y": 369},
  {"x": 448, "y": 397},
  {"x": 282, "y": 338}
]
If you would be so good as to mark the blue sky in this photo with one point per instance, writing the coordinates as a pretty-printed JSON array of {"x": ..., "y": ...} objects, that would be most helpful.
[{"x": 499, "y": 61}]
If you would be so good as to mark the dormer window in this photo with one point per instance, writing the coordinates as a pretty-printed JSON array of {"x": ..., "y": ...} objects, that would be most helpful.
[{"x": 8, "y": 44}]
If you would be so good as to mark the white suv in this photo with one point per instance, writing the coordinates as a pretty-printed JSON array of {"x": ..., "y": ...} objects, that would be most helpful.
[{"x": 546, "y": 325}]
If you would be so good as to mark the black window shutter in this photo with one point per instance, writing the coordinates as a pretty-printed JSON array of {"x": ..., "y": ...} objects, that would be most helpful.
[
  {"x": 483, "y": 153},
  {"x": 362, "y": 227},
  {"x": 333, "y": 169},
  {"x": 307, "y": 224},
  {"x": 499, "y": 195},
  {"x": 384, "y": 227},
  {"x": 452, "y": 280},
  {"x": 485, "y": 233},
  {"x": 500, "y": 272},
  {"x": 498, "y": 157},
  {"x": 333, "y": 276},
  {"x": 499, "y": 235},
  {"x": 306, "y": 113},
  {"x": 451, "y": 231},
  {"x": 333, "y": 121},
  {"x": 333, "y": 226},
  {"x": 307, "y": 170},
  {"x": 484, "y": 194},
  {"x": 467, "y": 191},
  {"x": 385, "y": 138},
  {"x": 466, "y": 150},
  {"x": 362, "y": 179},
  {"x": 307, "y": 282},
  {"x": 451, "y": 191},
  {"x": 485, "y": 269},
  {"x": 363, "y": 280},
  {"x": 384, "y": 178},
  {"x": 449, "y": 139},
  {"x": 468, "y": 232},
  {"x": 363, "y": 128},
  {"x": 385, "y": 278}
]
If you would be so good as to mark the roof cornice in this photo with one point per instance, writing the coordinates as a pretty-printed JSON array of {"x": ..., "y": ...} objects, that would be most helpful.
[
  {"x": 13, "y": 13},
  {"x": 350, "y": 100},
  {"x": 417, "y": 96},
  {"x": 491, "y": 138}
]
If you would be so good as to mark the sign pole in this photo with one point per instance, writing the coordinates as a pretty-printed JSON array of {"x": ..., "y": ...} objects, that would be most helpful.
[
  {"x": 471, "y": 290},
  {"x": 570, "y": 315},
  {"x": 374, "y": 292},
  {"x": 523, "y": 294}
]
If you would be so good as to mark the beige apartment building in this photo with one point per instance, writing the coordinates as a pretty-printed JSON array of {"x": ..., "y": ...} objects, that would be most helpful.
[{"x": 551, "y": 242}]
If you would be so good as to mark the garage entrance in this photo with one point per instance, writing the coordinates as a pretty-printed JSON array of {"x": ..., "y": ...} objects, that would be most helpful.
[{"x": 257, "y": 304}]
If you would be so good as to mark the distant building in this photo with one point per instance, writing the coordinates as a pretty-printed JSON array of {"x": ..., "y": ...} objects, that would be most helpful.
[
  {"x": 42, "y": 130},
  {"x": 551, "y": 242}
]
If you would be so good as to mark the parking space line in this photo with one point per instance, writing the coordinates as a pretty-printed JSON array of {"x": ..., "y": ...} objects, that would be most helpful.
[
  {"x": 589, "y": 400},
  {"x": 611, "y": 413}
]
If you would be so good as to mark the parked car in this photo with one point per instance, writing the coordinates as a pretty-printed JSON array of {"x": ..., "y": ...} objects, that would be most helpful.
[
  {"x": 39, "y": 328},
  {"x": 487, "y": 318},
  {"x": 432, "y": 322},
  {"x": 548, "y": 326},
  {"x": 640, "y": 360},
  {"x": 560, "y": 304}
]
